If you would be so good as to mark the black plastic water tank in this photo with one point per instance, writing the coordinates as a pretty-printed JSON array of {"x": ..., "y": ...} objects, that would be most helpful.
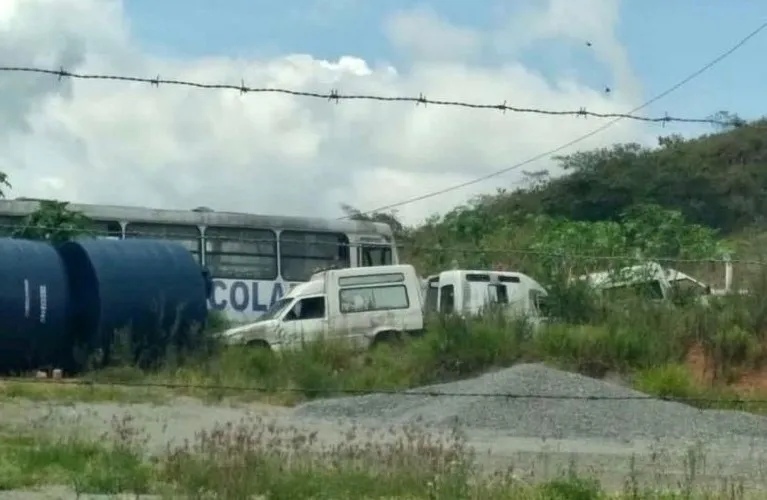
[
  {"x": 34, "y": 306},
  {"x": 154, "y": 288}
]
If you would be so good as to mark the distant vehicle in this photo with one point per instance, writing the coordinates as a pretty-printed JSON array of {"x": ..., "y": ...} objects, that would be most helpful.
[
  {"x": 649, "y": 280},
  {"x": 469, "y": 292},
  {"x": 365, "y": 306},
  {"x": 253, "y": 259}
]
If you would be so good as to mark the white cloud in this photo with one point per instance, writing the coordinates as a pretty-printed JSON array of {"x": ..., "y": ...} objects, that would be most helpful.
[
  {"x": 116, "y": 142},
  {"x": 423, "y": 34},
  {"x": 578, "y": 21}
]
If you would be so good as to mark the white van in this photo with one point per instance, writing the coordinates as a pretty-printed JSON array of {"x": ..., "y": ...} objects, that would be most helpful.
[
  {"x": 650, "y": 280},
  {"x": 468, "y": 292},
  {"x": 365, "y": 305}
]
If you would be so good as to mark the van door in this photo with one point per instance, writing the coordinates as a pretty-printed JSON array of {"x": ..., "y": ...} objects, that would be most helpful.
[
  {"x": 447, "y": 299},
  {"x": 431, "y": 304},
  {"x": 367, "y": 309},
  {"x": 306, "y": 321}
]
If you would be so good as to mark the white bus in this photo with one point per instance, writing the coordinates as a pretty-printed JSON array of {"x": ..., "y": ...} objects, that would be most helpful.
[{"x": 253, "y": 259}]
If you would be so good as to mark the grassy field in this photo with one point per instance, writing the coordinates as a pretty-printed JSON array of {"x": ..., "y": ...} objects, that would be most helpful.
[
  {"x": 715, "y": 353},
  {"x": 247, "y": 460}
]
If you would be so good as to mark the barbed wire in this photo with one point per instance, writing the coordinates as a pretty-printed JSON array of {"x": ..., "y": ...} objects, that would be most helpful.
[
  {"x": 9, "y": 229},
  {"x": 371, "y": 392},
  {"x": 713, "y": 62},
  {"x": 335, "y": 96}
]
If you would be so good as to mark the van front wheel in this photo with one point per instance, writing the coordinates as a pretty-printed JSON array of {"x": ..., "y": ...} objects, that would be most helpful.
[
  {"x": 390, "y": 338},
  {"x": 259, "y": 344}
]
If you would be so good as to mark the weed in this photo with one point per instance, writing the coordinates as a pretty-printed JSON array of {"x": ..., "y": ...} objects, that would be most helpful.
[
  {"x": 668, "y": 381},
  {"x": 259, "y": 459},
  {"x": 106, "y": 465}
]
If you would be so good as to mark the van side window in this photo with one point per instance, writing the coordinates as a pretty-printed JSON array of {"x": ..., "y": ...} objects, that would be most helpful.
[
  {"x": 499, "y": 294},
  {"x": 374, "y": 298},
  {"x": 447, "y": 299},
  {"x": 308, "y": 308},
  {"x": 538, "y": 302}
]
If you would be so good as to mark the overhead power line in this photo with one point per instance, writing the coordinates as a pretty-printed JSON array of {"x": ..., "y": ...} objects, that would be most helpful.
[{"x": 713, "y": 62}]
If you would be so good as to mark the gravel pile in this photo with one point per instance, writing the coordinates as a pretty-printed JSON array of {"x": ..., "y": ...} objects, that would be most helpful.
[{"x": 544, "y": 418}]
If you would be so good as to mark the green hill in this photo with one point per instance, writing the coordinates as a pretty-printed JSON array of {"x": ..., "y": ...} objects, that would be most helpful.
[{"x": 718, "y": 179}]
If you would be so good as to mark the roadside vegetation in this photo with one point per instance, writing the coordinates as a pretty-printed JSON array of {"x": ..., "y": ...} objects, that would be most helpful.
[
  {"x": 714, "y": 355},
  {"x": 255, "y": 460}
]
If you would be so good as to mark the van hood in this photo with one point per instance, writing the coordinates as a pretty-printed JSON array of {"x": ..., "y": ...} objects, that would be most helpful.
[{"x": 258, "y": 330}]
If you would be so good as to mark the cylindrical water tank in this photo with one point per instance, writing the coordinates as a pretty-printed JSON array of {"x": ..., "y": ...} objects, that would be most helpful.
[
  {"x": 153, "y": 289},
  {"x": 34, "y": 306}
]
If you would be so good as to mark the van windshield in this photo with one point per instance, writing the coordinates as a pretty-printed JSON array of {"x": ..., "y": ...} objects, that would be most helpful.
[{"x": 276, "y": 309}]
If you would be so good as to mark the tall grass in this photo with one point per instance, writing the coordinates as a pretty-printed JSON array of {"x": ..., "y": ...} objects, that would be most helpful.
[{"x": 260, "y": 459}]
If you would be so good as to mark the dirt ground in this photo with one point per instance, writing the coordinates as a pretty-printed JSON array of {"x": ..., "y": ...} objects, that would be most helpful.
[{"x": 752, "y": 382}]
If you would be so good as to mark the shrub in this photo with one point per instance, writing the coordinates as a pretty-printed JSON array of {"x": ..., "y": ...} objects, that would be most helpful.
[
  {"x": 456, "y": 347},
  {"x": 668, "y": 381}
]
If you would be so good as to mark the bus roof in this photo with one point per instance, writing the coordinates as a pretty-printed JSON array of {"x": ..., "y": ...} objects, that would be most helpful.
[{"x": 202, "y": 217}]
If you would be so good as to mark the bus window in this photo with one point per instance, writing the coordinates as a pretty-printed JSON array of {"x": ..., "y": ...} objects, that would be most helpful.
[
  {"x": 374, "y": 255},
  {"x": 241, "y": 253},
  {"x": 105, "y": 229},
  {"x": 303, "y": 252},
  {"x": 188, "y": 236}
]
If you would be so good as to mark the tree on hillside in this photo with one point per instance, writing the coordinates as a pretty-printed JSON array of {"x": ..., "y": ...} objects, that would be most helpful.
[
  {"x": 641, "y": 232},
  {"x": 730, "y": 120},
  {"x": 718, "y": 179},
  {"x": 3, "y": 184},
  {"x": 389, "y": 218},
  {"x": 53, "y": 221}
]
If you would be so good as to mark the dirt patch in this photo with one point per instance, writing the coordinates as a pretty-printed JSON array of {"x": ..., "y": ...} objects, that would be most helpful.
[
  {"x": 751, "y": 382},
  {"x": 701, "y": 367}
]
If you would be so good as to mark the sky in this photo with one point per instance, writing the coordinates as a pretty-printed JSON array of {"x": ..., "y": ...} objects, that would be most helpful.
[{"x": 170, "y": 147}]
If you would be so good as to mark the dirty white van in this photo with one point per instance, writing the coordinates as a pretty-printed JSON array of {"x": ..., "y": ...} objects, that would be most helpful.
[
  {"x": 365, "y": 305},
  {"x": 468, "y": 292},
  {"x": 650, "y": 280}
]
